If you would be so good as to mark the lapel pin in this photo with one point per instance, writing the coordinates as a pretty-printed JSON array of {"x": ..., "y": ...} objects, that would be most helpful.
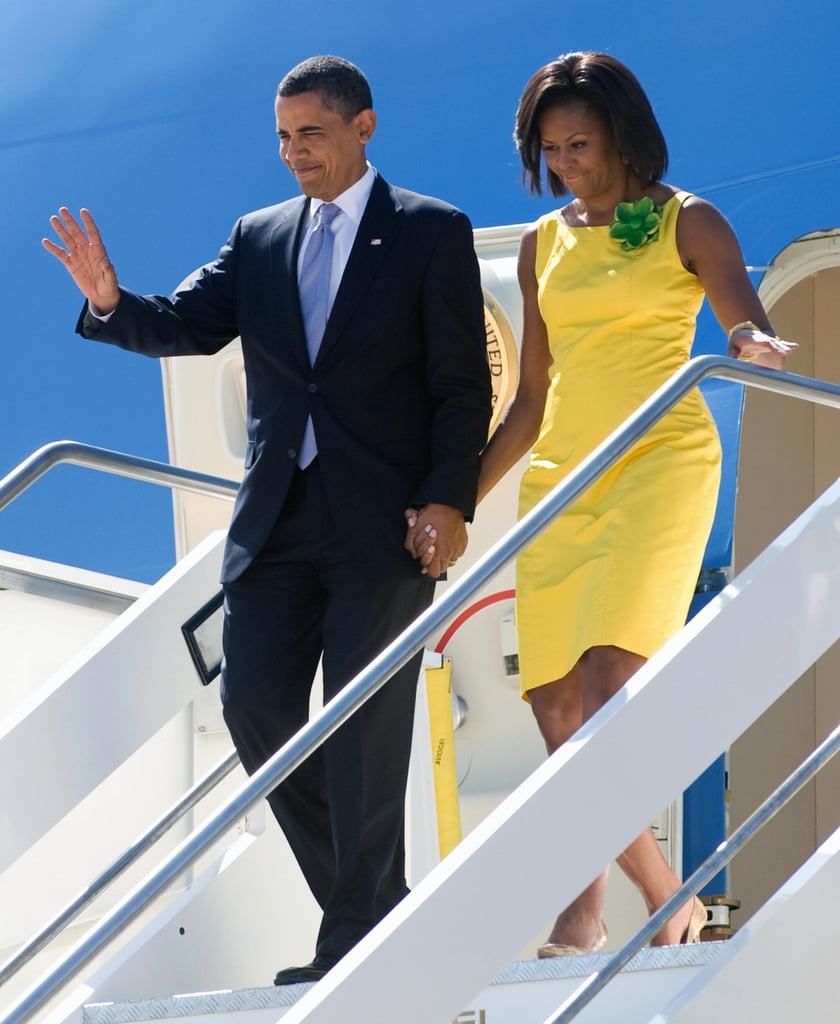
[{"x": 376, "y": 241}]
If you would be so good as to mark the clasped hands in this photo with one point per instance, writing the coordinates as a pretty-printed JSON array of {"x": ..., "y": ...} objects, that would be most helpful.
[{"x": 436, "y": 537}]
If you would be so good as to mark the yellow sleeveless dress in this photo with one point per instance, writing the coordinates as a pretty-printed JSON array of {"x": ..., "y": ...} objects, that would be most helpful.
[{"x": 618, "y": 567}]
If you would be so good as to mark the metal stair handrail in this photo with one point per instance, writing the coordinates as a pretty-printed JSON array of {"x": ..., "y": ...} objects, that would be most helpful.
[
  {"x": 78, "y": 454},
  {"x": 14, "y": 484},
  {"x": 716, "y": 861},
  {"x": 117, "y": 868},
  {"x": 399, "y": 651}
]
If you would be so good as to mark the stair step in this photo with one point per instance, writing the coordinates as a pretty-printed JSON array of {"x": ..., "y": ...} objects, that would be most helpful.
[{"x": 525, "y": 991}]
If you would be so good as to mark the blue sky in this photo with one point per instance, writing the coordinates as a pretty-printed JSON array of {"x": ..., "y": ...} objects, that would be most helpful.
[{"x": 158, "y": 117}]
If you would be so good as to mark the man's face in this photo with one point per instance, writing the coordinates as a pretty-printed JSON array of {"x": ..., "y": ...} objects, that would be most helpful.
[{"x": 323, "y": 151}]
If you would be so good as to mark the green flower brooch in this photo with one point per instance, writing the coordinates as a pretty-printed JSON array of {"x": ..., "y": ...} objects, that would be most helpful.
[{"x": 636, "y": 224}]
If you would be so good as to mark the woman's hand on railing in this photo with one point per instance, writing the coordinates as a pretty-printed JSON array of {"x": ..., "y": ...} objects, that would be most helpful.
[
  {"x": 753, "y": 345},
  {"x": 85, "y": 259}
]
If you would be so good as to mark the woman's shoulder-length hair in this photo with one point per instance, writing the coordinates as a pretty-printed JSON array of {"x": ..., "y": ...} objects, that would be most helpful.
[{"x": 609, "y": 90}]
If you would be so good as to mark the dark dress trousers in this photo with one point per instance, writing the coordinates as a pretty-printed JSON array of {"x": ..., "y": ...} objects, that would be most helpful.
[{"x": 399, "y": 395}]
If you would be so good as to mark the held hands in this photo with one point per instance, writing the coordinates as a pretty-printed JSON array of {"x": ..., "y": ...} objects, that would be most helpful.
[
  {"x": 86, "y": 259},
  {"x": 436, "y": 537},
  {"x": 751, "y": 344}
]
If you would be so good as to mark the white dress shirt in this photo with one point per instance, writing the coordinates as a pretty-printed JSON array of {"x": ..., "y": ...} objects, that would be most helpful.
[{"x": 352, "y": 203}]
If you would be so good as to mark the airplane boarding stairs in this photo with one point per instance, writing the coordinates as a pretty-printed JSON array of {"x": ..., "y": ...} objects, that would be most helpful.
[{"x": 434, "y": 958}]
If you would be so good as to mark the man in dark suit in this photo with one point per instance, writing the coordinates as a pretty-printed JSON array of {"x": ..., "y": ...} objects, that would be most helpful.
[{"x": 389, "y": 410}]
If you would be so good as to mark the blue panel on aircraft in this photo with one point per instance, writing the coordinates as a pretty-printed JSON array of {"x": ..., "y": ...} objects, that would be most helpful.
[{"x": 726, "y": 401}]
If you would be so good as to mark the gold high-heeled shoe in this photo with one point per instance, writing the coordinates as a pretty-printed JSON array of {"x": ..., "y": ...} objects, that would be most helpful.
[
  {"x": 550, "y": 949},
  {"x": 696, "y": 923}
]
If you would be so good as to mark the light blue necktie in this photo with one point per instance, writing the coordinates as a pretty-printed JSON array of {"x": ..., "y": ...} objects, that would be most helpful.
[{"x": 314, "y": 290}]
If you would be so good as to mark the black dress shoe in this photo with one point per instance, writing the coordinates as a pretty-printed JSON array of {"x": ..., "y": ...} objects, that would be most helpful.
[{"x": 309, "y": 972}]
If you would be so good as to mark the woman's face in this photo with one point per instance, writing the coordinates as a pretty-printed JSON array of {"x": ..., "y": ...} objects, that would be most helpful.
[{"x": 579, "y": 148}]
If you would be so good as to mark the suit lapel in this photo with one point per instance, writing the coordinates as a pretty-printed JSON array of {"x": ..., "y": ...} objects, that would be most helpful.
[
  {"x": 378, "y": 228},
  {"x": 284, "y": 248}
]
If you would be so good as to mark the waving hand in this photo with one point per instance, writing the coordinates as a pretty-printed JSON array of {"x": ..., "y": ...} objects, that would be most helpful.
[{"x": 86, "y": 259}]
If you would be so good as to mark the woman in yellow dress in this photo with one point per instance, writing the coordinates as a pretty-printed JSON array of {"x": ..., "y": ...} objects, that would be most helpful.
[{"x": 611, "y": 284}]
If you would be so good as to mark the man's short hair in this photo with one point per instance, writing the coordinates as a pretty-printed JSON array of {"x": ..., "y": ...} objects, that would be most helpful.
[{"x": 341, "y": 85}]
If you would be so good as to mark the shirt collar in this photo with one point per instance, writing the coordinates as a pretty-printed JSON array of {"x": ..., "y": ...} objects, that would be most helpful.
[{"x": 353, "y": 200}]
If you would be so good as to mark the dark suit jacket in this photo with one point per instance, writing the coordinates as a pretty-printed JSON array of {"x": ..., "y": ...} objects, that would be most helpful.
[{"x": 399, "y": 393}]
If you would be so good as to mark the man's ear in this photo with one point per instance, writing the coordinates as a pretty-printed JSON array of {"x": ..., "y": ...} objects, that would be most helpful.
[{"x": 366, "y": 123}]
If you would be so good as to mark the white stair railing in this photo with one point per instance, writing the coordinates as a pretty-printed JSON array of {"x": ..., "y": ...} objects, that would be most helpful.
[
  {"x": 718, "y": 860},
  {"x": 479, "y": 890},
  {"x": 119, "y": 675},
  {"x": 546, "y": 842}
]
